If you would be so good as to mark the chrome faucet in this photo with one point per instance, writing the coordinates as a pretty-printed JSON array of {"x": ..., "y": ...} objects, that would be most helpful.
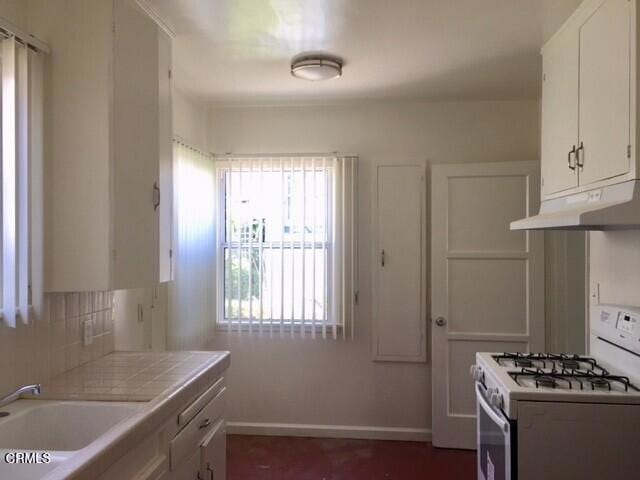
[{"x": 12, "y": 397}]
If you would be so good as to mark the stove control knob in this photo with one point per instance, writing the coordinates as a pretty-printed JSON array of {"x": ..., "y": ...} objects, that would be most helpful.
[
  {"x": 495, "y": 399},
  {"x": 476, "y": 373}
]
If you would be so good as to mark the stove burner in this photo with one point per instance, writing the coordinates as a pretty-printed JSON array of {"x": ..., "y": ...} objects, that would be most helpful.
[
  {"x": 523, "y": 362},
  {"x": 552, "y": 361},
  {"x": 569, "y": 364},
  {"x": 599, "y": 382},
  {"x": 545, "y": 381},
  {"x": 568, "y": 379}
]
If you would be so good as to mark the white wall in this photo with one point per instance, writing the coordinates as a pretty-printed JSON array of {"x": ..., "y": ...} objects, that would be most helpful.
[
  {"x": 15, "y": 11},
  {"x": 615, "y": 267},
  {"x": 565, "y": 291},
  {"x": 189, "y": 119},
  {"x": 304, "y": 381}
]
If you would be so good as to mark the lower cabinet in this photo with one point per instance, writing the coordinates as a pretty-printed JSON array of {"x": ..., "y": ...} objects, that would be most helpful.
[
  {"x": 189, "y": 445},
  {"x": 189, "y": 469},
  {"x": 213, "y": 455},
  {"x": 209, "y": 461}
]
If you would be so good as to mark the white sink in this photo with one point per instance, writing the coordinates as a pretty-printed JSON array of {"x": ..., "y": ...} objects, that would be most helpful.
[{"x": 58, "y": 428}]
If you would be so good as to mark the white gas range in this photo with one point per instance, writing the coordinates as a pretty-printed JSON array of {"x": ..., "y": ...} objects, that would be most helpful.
[{"x": 563, "y": 416}]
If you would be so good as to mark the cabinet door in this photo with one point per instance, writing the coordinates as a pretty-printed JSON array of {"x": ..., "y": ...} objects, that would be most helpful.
[
  {"x": 166, "y": 158},
  {"x": 190, "y": 469},
  {"x": 135, "y": 170},
  {"x": 604, "y": 92},
  {"x": 399, "y": 299},
  {"x": 214, "y": 454},
  {"x": 560, "y": 112}
]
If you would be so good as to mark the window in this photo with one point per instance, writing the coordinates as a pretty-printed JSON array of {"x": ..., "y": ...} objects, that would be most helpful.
[
  {"x": 21, "y": 198},
  {"x": 286, "y": 250}
]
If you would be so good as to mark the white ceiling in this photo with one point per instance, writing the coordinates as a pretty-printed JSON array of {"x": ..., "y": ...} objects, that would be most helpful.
[{"x": 239, "y": 51}]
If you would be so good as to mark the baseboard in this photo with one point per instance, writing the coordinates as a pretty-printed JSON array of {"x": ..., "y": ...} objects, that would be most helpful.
[{"x": 329, "y": 431}]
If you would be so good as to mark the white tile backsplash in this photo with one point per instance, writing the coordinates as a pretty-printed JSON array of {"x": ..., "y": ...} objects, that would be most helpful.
[{"x": 53, "y": 342}]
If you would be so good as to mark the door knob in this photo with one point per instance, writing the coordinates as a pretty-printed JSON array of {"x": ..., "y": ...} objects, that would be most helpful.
[{"x": 441, "y": 321}]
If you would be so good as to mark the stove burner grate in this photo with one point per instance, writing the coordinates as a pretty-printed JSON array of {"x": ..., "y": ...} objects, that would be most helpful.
[
  {"x": 523, "y": 362},
  {"x": 569, "y": 379},
  {"x": 600, "y": 383},
  {"x": 545, "y": 381},
  {"x": 570, "y": 364},
  {"x": 553, "y": 361}
]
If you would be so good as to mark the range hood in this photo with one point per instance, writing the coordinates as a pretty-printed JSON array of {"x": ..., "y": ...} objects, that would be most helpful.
[{"x": 615, "y": 207}]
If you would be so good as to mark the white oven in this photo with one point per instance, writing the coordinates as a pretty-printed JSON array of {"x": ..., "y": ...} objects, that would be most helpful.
[
  {"x": 494, "y": 440},
  {"x": 563, "y": 416}
]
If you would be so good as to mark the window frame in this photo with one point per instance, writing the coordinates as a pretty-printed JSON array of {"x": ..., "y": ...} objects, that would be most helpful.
[{"x": 323, "y": 324}]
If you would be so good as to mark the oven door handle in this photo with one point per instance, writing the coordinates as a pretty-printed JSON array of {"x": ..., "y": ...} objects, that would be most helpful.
[{"x": 497, "y": 419}]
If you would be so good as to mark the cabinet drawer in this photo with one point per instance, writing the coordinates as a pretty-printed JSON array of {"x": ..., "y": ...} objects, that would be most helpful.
[
  {"x": 188, "y": 413},
  {"x": 191, "y": 437}
]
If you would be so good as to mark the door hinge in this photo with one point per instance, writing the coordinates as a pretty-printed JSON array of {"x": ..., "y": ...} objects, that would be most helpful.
[
  {"x": 113, "y": 27},
  {"x": 542, "y": 182},
  {"x": 628, "y": 151},
  {"x": 171, "y": 253},
  {"x": 355, "y": 298},
  {"x": 170, "y": 73}
]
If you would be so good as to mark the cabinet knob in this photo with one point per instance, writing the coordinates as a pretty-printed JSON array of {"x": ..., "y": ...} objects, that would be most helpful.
[{"x": 441, "y": 321}]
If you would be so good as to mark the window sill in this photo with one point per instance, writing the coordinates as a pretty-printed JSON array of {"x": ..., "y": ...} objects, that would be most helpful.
[{"x": 276, "y": 327}]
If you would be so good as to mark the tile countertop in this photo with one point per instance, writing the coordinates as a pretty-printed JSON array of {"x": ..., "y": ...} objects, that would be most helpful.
[
  {"x": 128, "y": 376},
  {"x": 164, "y": 380}
]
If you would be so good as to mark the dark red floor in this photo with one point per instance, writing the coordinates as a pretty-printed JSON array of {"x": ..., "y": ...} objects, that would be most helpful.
[{"x": 288, "y": 458}]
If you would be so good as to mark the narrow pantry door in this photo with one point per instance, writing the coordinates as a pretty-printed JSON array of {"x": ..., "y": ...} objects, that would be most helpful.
[
  {"x": 487, "y": 282},
  {"x": 399, "y": 305}
]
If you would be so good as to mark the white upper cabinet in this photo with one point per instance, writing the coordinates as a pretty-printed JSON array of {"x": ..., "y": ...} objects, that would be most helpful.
[
  {"x": 560, "y": 113},
  {"x": 604, "y": 92},
  {"x": 588, "y": 99},
  {"x": 165, "y": 137},
  {"x": 108, "y": 156}
]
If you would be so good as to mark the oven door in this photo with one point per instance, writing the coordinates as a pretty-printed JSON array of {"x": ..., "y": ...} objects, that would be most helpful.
[{"x": 494, "y": 441}]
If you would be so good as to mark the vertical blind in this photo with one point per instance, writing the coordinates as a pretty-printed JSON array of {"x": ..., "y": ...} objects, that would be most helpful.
[
  {"x": 21, "y": 153},
  {"x": 287, "y": 246},
  {"x": 191, "y": 299}
]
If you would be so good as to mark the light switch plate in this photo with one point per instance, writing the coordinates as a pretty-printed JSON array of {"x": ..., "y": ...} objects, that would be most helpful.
[{"x": 87, "y": 328}]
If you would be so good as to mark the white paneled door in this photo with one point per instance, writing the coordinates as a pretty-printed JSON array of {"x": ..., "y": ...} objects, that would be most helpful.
[{"x": 487, "y": 282}]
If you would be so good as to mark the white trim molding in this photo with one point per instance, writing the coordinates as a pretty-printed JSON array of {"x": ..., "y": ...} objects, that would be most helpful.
[
  {"x": 330, "y": 431},
  {"x": 145, "y": 5}
]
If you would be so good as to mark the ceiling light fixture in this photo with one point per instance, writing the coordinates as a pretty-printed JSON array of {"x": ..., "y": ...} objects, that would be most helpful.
[{"x": 316, "y": 67}]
